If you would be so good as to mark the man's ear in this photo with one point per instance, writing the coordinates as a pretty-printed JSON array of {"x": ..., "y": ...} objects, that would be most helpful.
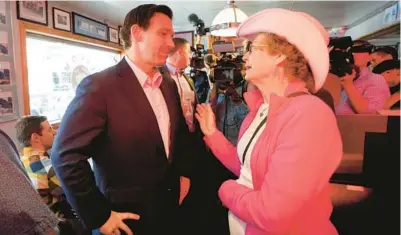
[
  {"x": 34, "y": 137},
  {"x": 136, "y": 33}
]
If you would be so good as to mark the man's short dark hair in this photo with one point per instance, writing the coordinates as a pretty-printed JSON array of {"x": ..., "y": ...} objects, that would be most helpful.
[
  {"x": 178, "y": 43},
  {"x": 26, "y": 126},
  {"x": 141, "y": 15}
]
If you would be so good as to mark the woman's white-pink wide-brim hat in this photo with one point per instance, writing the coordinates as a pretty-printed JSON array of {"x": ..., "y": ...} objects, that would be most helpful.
[{"x": 300, "y": 29}]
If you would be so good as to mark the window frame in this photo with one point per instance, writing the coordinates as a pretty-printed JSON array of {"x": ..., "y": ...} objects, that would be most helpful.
[{"x": 26, "y": 27}]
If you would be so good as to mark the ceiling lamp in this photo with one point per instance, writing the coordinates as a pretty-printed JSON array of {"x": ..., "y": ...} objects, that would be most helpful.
[{"x": 225, "y": 23}]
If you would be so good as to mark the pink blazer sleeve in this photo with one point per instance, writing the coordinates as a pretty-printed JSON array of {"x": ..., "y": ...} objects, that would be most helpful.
[
  {"x": 224, "y": 151},
  {"x": 308, "y": 151}
]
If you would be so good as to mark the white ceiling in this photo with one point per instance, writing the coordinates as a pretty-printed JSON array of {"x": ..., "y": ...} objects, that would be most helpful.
[{"x": 329, "y": 13}]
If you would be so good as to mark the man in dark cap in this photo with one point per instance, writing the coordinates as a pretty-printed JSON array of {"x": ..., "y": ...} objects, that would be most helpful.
[
  {"x": 381, "y": 54},
  {"x": 390, "y": 70}
]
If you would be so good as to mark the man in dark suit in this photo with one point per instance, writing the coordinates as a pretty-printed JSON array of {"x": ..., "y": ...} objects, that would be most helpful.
[{"x": 128, "y": 119}]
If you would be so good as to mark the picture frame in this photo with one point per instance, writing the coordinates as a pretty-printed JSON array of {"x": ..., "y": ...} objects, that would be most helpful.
[
  {"x": 120, "y": 41},
  {"x": 8, "y": 104},
  {"x": 33, "y": 11},
  {"x": 188, "y": 35},
  {"x": 90, "y": 28},
  {"x": 61, "y": 19},
  {"x": 3, "y": 13},
  {"x": 6, "y": 74},
  {"x": 4, "y": 43},
  {"x": 113, "y": 35}
]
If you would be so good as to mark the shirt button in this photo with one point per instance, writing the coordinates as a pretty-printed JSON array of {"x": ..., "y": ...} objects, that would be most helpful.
[{"x": 169, "y": 189}]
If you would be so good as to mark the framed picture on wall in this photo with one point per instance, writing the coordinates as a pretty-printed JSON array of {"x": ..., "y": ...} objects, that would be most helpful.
[
  {"x": 90, "y": 28},
  {"x": 8, "y": 104},
  {"x": 5, "y": 74},
  {"x": 188, "y": 35},
  {"x": 113, "y": 35},
  {"x": 3, "y": 13},
  {"x": 120, "y": 41},
  {"x": 61, "y": 20},
  {"x": 32, "y": 11},
  {"x": 4, "y": 45}
]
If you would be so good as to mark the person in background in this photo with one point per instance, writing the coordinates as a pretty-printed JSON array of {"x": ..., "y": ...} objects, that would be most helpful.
[
  {"x": 177, "y": 61},
  {"x": 366, "y": 93},
  {"x": 390, "y": 70},
  {"x": 282, "y": 161},
  {"x": 22, "y": 210},
  {"x": 381, "y": 54},
  {"x": 128, "y": 118},
  {"x": 199, "y": 210},
  {"x": 36, "y": 136},
  {"x": 226, "y": 99},
  {"x": 210, "y": 61}
]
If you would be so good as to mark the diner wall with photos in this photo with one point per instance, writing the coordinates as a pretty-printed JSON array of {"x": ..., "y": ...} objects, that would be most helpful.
[
  {"x": 14, "y": 41},
  {"x": 9, "y": 110}
]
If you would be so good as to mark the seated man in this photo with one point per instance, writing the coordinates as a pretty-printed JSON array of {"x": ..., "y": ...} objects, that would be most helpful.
[
  {"x": 36, "y": 135},
  {"x": 363, "y": 94}
]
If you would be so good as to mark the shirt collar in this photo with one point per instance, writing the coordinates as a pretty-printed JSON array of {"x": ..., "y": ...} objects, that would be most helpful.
[
  {"x": 364, "y": 72},
  {"x": 174, "y": 70},
  {"x": 171, "y": 68},
  {"x": 29, "y": 151},
  {"x": 143, "y": 78}
]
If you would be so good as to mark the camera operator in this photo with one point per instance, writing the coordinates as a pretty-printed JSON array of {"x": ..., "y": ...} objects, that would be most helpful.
[
  {"x": 210, "y": 61},
  {"x": 199, "y": 73},
  {"x": 366, "y": 93},
  {"x": 226, "y": 97}
]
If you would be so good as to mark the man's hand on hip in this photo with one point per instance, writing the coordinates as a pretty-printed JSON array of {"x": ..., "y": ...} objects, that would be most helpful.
[{"x": 115, "y": 223}]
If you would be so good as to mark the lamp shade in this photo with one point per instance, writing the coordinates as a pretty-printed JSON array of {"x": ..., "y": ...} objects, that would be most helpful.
[{"x": 226, "y": 22}]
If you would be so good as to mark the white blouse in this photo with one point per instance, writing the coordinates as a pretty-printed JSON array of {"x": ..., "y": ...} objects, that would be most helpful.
[{"x": 237, "y": 226}]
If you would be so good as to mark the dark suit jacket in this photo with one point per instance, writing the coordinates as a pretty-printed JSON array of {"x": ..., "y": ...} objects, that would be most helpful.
[{"x": 111, "y": 120}]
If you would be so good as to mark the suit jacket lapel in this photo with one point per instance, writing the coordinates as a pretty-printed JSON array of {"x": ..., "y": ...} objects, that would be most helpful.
[
  {"x": 190, "y": 82},
  {"x": 136, "y": 98}
]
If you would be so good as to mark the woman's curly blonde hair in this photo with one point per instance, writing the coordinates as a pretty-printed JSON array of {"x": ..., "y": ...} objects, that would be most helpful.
[{"x": 295, "y": 64}]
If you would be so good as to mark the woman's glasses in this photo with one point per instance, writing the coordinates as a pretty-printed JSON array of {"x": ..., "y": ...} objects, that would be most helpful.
[{"x": 249, "y": 46}]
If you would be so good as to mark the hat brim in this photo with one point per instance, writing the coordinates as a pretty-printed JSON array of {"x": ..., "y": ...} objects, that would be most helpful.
[{"x": 297, "y": 30}]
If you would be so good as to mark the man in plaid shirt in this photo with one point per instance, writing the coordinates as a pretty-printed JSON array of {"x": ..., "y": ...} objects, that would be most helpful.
[{"x": 36, "y": 135}]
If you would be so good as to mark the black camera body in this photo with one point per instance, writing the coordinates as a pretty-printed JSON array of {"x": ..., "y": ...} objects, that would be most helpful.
[
  {"x": 197, "y": 63},
  {"x": 341, "y": 59},
  {"x": 228, "y": 72}
]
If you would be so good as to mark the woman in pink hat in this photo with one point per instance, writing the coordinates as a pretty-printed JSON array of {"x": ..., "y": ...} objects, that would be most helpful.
[{"x": 289, "y": 144}]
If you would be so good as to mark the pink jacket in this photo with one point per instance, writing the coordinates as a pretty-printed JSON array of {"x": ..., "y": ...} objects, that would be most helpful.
[{"x": 291, "y": 163}]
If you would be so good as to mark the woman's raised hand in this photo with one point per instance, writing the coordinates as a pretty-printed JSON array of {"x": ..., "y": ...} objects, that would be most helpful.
[{"x": 206, "y": 118}]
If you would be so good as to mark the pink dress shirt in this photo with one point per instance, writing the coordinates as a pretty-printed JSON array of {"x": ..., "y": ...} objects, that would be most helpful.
[
  {"x": 373, "y": 88},
  {"x": 156, "y": 99}
]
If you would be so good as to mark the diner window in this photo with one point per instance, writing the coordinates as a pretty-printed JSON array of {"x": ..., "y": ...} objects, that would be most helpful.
[{"x": 56, "y": 67}]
